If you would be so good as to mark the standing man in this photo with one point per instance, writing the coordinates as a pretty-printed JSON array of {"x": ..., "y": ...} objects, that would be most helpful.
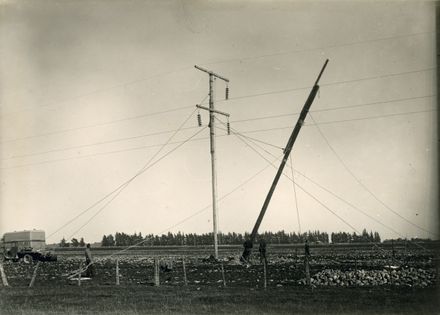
[
  {"x": 90, "y": 271},
  {"x": 262, "y": 250},
  {"x": 307, "y": 248},
  {"x": 247, "y": 252}
]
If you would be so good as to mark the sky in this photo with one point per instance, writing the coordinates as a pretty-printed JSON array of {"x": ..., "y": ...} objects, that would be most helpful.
[{"x": 92, "y": 90}]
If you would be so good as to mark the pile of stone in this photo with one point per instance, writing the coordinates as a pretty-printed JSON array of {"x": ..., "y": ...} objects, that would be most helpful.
[{"x": 410, "y": 277}]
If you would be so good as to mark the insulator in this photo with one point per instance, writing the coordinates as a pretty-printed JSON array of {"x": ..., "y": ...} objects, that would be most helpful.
[
  {"x": 228, "y": 127},
  {"x": 227, "y": 92},
  {"x": 199, "y": 119}
]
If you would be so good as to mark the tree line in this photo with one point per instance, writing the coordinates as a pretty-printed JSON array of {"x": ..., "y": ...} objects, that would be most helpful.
[
  {"x": 73, "y": 243},
  {"x": 280, "y": 237},
  {"x": 365, "y": 237}
]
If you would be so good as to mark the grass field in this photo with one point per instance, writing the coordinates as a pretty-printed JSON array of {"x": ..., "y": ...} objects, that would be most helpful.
[
  {"x": 92, "y": 299},
  {"x": 205, "y": 293}
]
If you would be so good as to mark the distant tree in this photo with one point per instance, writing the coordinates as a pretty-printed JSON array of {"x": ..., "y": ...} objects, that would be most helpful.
[
  {"x": 81, "y": 242},
  {"x": 376, "y": 237},
  {"x": 74, "y": 242},
  {"x": 110, "y": 240},
  {"x": 63, "y": 243},
  {"x": 104, "y": 241}
]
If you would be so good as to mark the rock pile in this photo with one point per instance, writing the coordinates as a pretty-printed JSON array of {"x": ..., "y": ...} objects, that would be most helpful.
[{"x": 411, "y": 277}]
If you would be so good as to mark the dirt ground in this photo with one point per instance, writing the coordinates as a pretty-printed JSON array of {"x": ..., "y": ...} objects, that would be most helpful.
[{"x": 241, "y": 292}]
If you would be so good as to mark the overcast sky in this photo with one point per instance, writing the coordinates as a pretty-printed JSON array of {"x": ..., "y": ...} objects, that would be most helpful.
[{"x": 80, "y": 80}]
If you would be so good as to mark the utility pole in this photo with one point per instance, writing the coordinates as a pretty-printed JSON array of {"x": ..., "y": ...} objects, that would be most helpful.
[
  {"x": 212, "y": 77},
  {"x": 248, "y": 244}
]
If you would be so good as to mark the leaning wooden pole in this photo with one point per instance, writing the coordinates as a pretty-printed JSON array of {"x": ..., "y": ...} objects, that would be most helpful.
[
  {"x": 249, "y": 243},
  {"x": 34, "y": 275}
]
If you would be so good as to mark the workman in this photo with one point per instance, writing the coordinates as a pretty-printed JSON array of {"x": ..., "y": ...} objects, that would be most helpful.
[
  {"x": 247, "y": 251},
  {"x": 307, "y": 248},
  {"x": 90, "y": 271},
  {"x": 262, "y": 250}
]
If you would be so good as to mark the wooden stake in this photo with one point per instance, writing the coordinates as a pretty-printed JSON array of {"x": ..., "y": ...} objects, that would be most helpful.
[
  {"x": 184, "y": 272},
  {"x": 156, "y": 273},
  {"x": 3, "y": 274},
  {"x": 117, "y": 271},
  {"x": 79, "y": 273},
  {"x": 34, "y": 275},
  {"x": 307, "y": 270},
  {"x": 223, "y": 275},
  {"x": 265, "y": 274}
]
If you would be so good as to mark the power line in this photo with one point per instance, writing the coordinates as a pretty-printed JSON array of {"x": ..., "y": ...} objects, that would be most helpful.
[
  {"x": 336, "y": 196},
  {"x": 337, "y": 121},
  {"x": 120, "y": 190},
  {"x": 199, "y": 211},
  {"x": 98, "y": 124},
  {"x": 218, "y": 101},
  {"x": 235, "y": 121},
  {"x": 373, "y": 103},
  {"x": 335, "y": 108},
  {"x": 327, "y": 190},
  {"x": 371, "y": 117},
  {"x": 96, "y": 154},
  {"x": 295, "y": 195},
  {"x": 127, "y": 182},
  {"x": 256, "y": 140},
  {"x": 300, "y": 187},
  {"x": 363, "y": 185},
  {"x": 96, "y": 143},
  {"x": 321, "y": 203},
  {"x": 330, "y": 84},
  {"x": 109, "y": 141},
  {"x": 317, "y": 49},
  {"x": 125, "y": 84},
  {"x": 244, "y": 132}
]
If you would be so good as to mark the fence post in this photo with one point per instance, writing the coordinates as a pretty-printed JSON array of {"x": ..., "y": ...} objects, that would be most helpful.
[
  {"x": 265, "y": 274},
  {"x": 223, "y": 275},
  {"x": 156, "y": 273},
  {"x": 79, "y": 273},
  {"x": 307, "y": 270},
  {"x": 117, "y": 271},
  {"x": 3, "y": 274},
  {"x": 185, "y": 280},
  {"x": 34, "y": 275}
]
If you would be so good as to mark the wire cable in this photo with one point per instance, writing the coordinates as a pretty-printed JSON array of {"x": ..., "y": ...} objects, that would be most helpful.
[
  {"x": 295, "y": 195},
  {"x": 303, "y": 189},
  {"x": 122, "y": 188},
  {"x": 327, "y": 190},
  {"x": 389, "y": 75},
  {"x": 339, "y": 197},
  {"x": 125, "y": 84},
  {"x": 335, "y": 108},
  {"x": 363, "y": 185},
  {"x": 308, "y": 193},
  {"x": 229, "y": 99},
  {"x": 235, "y": 121},
  {"x": 123, "y": 185},
  {"x": 55, "y": 132},
  {"x": 244, "y": 132},
  {"x": 181, "y": 221},
  {"x": 95, "y": 144},
  {"x": 317, "y": 49}
]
